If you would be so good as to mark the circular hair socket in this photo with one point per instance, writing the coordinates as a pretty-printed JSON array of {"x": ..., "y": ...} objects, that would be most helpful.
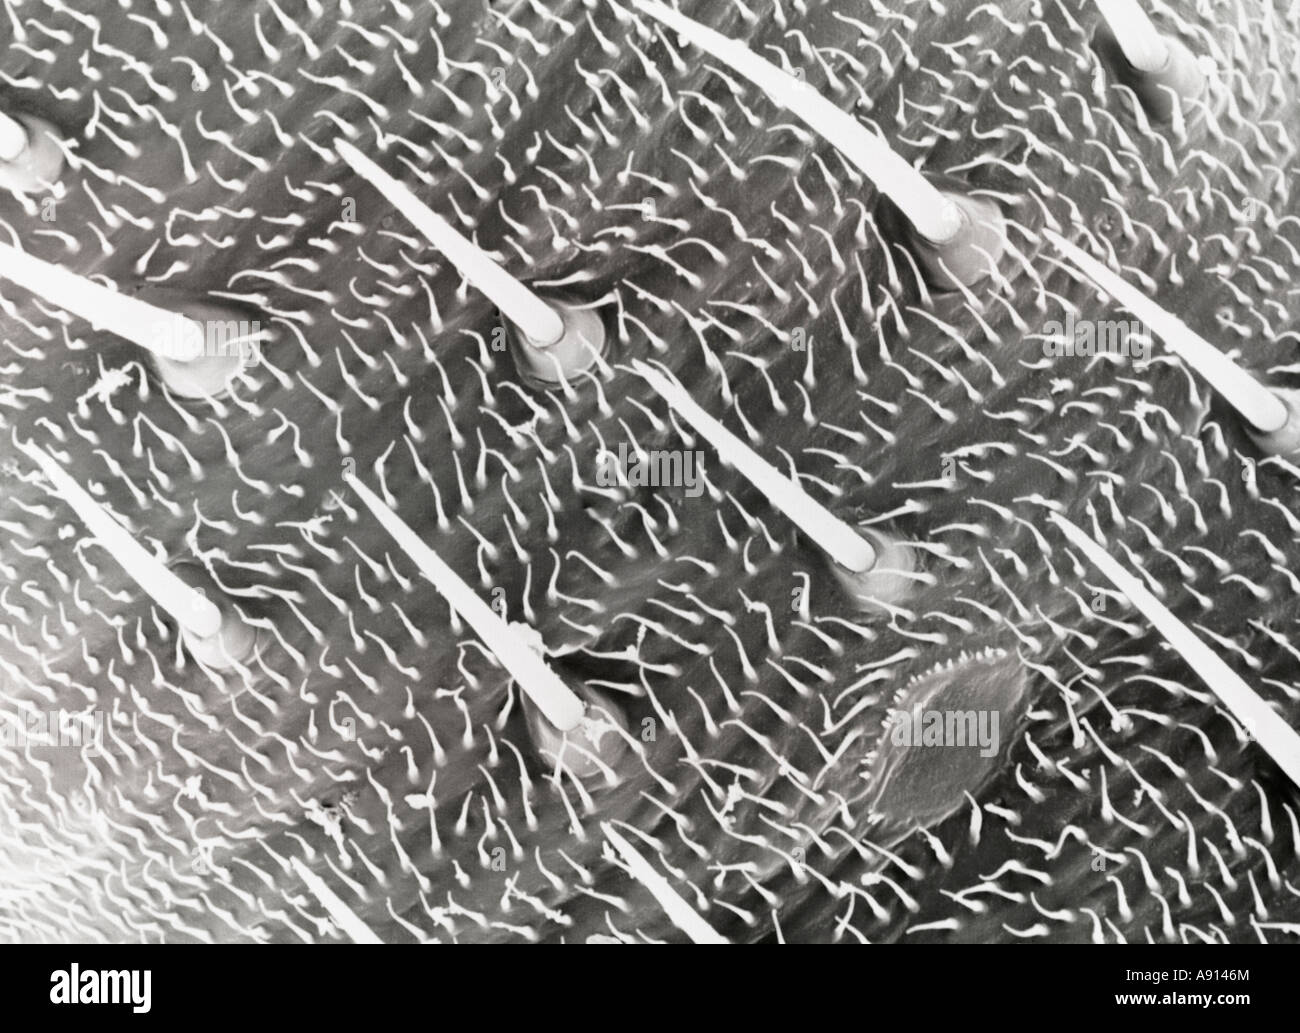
[
  {"x": 587, "y": 751},
  {"x": 545, "y": 366},
  {"x": 967, "y": 256},
  {"x": 235, "y": 643},
  {"x": 1285, "y": 441},
  {"x": 221, "y": 339},
  {"x": 207, "y": 376},
  {"x": 37, "y": 167},
  {"x": 886, "y": 582},
  {"x": 1179, "y": 76}
]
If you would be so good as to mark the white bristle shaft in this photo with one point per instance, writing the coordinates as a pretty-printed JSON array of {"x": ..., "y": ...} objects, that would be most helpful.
[
  {"x": 168, "y": 334},
  {"x": 1255, "y": 403},
  {"x": 934, "y": 216},
  {"x": 190, "y": 608},
  {"x": 541, "y": 323},
  {"x": 342, "y": 915},
  {"x": 1278, "y": 739},
  {"x": 13, "y": 138},
  {"x": 679, "y": 912},
  {"x": 560, "y": 705},
  {"x": 1143, "y": 46},
  {"x": 842, "y": 543}
]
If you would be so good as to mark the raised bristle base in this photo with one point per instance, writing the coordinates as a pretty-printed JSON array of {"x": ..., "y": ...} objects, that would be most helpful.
[
  {"x": 231, "y": 343},
  {"x": 38, "y": 166},
  {"x": 887, "y": 582},
  {"x": 1180, "y": 77},
  {"x": 235, "y": 642},
  {"x": 205, "y": 377},
  {"x": 1285, "y": 441},
  {"x": 971, "y": 253},
  {"x": 545, "y": 365},
  {"x": 589, "y": 751}
]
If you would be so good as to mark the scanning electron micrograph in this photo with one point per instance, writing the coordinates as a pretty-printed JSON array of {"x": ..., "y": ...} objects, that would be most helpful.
[{"x": 622, "y": 471}]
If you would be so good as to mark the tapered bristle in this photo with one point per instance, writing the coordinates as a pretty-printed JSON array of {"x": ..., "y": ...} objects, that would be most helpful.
[
  {"x": 1142, "y": 45},
  {"x": 520, "y": 305},
  {"x": 167, "y": 333},
  {"x": 848, "y": 548},
  {"x": 1278, "y": 739},
  {"x": 683, "y": 916},
  {"x": 190, "y": 609},
  {"x": 561, "y": 707},
  {"x": 1256, "y": 404},
  {"x": 934, "y": 217}
]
